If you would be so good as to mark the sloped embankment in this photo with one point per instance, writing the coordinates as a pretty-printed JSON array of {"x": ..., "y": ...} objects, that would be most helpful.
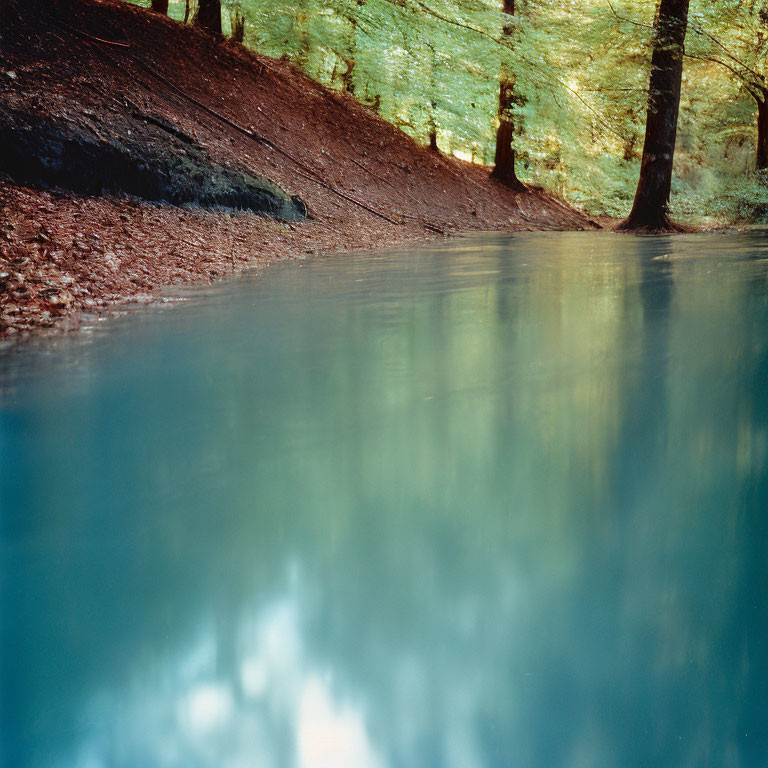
[{"x": 194, "y": 120}]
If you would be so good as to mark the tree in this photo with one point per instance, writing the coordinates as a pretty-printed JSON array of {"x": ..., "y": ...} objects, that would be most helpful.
[
  {"x": 160, "y": 6},
  {"x": 350, "y": 60},
  {"x": 432, "y": 119},
  {"x": 650, "y": 208},
  {"x": 740, "y": 45},
  {"x": 504, "y": 160},
  {"x": 208, "y": 15},
  {"x": 237, "y": 23}
]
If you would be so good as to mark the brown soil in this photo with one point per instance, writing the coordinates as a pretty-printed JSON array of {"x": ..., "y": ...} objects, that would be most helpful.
[{"x": 365, "y": 183}]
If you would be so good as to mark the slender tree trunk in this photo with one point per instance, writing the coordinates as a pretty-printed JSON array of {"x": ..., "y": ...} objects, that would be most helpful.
[
  {"x": 433, "y": 137},
  {"x": 237, "y": 22},
  {"x": 160, "y": 6},
  {"x": 432, "y": 120},
  {"x": 186, "y": 12},
  {"x": 762, "y": 133},
  {"x": 348, "y": 78},
  {"x": 208, "y": 16},
  {"x": 504, "y": 160},
  {"x": 650, "y": 209}
]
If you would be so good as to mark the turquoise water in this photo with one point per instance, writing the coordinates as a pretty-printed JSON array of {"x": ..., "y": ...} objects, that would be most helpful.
[{"x": 497, "y": 502}]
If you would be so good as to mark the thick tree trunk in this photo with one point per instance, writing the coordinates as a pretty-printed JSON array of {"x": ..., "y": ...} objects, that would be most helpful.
[
  {"x": 504, "y": 160},
  {"x": 762, "y": 133},
  {"x": 208, "y": 15},
  {"x": 650, "y": 209},
  {"x": 160, "y": 6}
]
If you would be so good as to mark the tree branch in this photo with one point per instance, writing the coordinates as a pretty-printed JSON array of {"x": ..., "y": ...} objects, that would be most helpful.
[
  {"x": 628, "y": 20},
  {"x": 757, "y": 91},
  {"x": 699, "y": 31}
]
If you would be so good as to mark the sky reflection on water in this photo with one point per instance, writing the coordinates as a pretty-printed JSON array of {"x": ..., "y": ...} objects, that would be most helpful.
[{"x": 497, "y": 502}]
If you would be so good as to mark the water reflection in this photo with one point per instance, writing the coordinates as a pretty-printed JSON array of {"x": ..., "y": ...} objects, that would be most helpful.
[
  {"x": 500, "y": 502},
  {"x": 267, "y": 705}
]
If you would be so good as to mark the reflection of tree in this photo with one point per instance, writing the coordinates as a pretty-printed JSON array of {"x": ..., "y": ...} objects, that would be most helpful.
[
  {"x": 495, "y": 478},
  {"x": 729, "y": 453}
]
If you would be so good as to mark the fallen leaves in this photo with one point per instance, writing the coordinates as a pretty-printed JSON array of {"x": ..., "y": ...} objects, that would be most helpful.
[{"x": 63, "y": 257}]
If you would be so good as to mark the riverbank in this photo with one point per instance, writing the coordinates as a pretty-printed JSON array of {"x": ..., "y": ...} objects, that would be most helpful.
[{"x": 105, "y": 73}]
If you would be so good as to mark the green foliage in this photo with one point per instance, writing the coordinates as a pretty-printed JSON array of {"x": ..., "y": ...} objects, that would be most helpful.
[{"x": 581, "y": 71}]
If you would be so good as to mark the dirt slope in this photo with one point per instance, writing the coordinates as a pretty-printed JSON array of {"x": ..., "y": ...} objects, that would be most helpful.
[{"x": 91, "y": 65}]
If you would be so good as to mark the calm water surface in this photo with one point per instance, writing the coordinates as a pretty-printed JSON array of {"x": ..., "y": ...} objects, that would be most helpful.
[{"x": 499, "y": 502}]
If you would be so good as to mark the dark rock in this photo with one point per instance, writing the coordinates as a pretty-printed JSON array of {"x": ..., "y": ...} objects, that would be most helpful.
[{"x": 148, "y": 158}]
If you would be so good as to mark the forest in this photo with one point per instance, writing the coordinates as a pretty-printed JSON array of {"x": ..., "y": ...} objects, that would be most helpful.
[
  {"x": 144, "y": 129},
  {"x": 383, "y": 383},
  {"x": 577, "y": 86}
]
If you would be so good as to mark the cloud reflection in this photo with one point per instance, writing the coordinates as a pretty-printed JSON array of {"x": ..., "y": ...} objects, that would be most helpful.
[
  {"x": 207, "y": 707},
  {"x": 273, "y": 704},
  {"x": 331, "y": 736}
]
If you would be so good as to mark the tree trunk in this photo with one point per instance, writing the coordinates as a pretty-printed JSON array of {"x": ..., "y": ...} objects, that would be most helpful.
[
  {"x": 432, "y": 119},
  {"x": 237, "y": 22},
  {"x": 762, "y": 133},
  {"x": 186, "y": 12},
  {"x": 160, "y": 6},
  {"x": 504, "y": 160},
  {"x": 348, "y": 78},
  {"x": 433, "y": 137},
  {"x": 208, "y": 16},
  {"x": 650, "y": 209}
]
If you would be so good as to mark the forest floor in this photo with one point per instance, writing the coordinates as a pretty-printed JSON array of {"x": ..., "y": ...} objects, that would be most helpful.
[{"x": 97, "y": 64}]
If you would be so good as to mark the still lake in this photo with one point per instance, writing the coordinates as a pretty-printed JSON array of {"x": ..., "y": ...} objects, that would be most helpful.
[{"x": 496, "y": 502}]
